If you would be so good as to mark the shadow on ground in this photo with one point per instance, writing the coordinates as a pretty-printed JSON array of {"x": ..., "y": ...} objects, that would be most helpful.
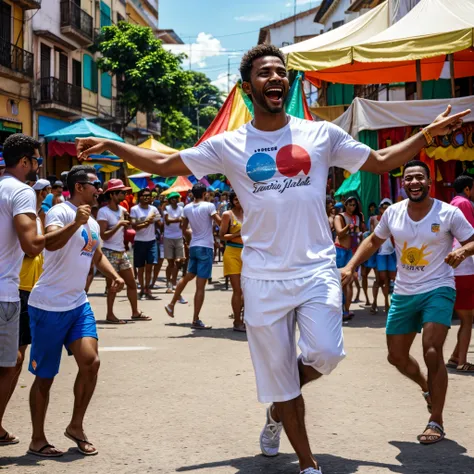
[
  {"x": 71, "y": 455},
  {"x": 217, "y": 333},
  {"x": 447, "y": 456}
]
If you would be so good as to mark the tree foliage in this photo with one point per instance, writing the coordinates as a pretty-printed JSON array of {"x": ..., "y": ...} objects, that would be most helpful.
[
  {"x": 177, "y": 130},
  {"x": 148, "y": 76}
]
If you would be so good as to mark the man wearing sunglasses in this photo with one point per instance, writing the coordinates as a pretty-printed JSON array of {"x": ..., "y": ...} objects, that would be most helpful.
[
  {"x": 60, "y": 313},
  {"x": 19, "y": 237}
]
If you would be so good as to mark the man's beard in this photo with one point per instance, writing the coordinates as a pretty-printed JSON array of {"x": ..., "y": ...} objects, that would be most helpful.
[
  {"x": 31, "y": 176},
  {"x": 423, "y": 195},
  {"x": 260, "y": 100}
]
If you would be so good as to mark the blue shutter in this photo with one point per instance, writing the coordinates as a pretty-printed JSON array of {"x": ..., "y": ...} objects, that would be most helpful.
[
  {"x": 94, "y": 77},
  {"x": 106, "y": 85},
  {"x": 105, "y": 15},
  {"x": 87, "y": 76}
]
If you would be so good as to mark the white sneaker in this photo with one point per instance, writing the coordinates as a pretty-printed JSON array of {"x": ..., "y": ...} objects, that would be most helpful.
[
  {"x": 311, "y": 470},
  {"x": 270, "y": 436}
]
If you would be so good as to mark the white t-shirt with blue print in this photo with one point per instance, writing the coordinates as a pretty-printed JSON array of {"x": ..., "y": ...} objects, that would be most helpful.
[{"x": 61, "y": 285}]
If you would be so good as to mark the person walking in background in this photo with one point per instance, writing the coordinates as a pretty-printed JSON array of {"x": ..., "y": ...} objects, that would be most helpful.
[
  {"x": 464, "y": 278},
  {"x": 113, "y": 219},
  {"x": 200, "y": 215},
  {"x": 19, "y": 225},
  {"x": 145, "y": 253},
  {"x": 230, "y": 233},
  {"x": 173, "y": 240}
]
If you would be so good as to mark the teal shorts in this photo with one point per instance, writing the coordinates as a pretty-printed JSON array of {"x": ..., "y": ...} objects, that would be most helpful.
[{"x": 408, "y": 313}]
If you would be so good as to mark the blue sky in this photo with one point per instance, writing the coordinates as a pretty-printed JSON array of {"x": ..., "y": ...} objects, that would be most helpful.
[{"x": 219, "y": 29}]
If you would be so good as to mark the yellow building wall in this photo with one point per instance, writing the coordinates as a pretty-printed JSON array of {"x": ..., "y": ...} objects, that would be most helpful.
[
  {"x": 24, "y": 106},
  {"x": 134, "y": 17},
  {"x": 17, "y": 14}
]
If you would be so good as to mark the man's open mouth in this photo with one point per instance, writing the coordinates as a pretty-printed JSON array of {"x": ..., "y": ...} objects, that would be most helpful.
[
  {"x": 416, "y": 191},
  {"x": 274, "y": 93}
]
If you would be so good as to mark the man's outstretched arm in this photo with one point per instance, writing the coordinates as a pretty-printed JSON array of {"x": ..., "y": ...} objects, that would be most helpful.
[
  {"x": 146, "y": 160},
  {"x": 393, "y": 157},
  {"x": 366, "y": 249}
]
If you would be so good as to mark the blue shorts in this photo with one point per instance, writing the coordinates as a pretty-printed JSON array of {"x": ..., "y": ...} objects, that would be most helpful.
[
  {"x": 145, "y": 253},
  {"x": 371, "y": 262},
  {"x": 51, "y": 330},
  {"x": 200, "y": 261},
  {"x": 408, "y": 313},
  {"x": 387, "y": 263},
  {"x": 342, "y": 257}
]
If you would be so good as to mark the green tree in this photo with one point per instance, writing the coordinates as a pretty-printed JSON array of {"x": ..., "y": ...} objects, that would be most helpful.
[
  {"x": 148, "y": 76},
  {"x": 177, "y": 130}
]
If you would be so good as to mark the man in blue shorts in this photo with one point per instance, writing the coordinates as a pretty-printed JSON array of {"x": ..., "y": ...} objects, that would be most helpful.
[
  {"x": 423, "y": 229},
  {"x": 200, "y": 215},
  {"x": 60, "y": 314}
]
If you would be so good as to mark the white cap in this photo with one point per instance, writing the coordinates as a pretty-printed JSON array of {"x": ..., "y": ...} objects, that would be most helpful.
[
  {"x": 41, "y": 184},
  {"x": 385, "y": 201}
]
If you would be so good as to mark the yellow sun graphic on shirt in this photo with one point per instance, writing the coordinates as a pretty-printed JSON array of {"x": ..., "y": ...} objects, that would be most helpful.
[{"x": 414, "y": 256}]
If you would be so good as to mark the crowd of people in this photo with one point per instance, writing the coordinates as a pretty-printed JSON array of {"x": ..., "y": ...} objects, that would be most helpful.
[{"x": 286, "y": 260}]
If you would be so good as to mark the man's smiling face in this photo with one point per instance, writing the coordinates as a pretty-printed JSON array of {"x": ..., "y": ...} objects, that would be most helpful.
[{"x": 269, "y": 84}]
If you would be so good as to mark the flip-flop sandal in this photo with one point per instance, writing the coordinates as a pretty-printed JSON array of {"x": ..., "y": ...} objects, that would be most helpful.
[
  {"x": 432, "y": 438},
  {"x": 141, "y": 317},
  {"x": 374, "y": 310},
  {"x": 78, "y": 441},
  {"x": 182, "y": 300},
  {"x": 150, "y": 297},
  {"x": 467, "y": 367},
  {"x": 169, "y": 311},
  {"x": 5, "y": 440},
  {"x": 240, "y": 328},
  {"x": 426, "y": 395},
  {"x": 169, "y": 291},
  {"x": 452, "y": 364},
  {"x": 42, "y": 454},
  {"x": 120, "y": 321},
  {"x": 200, "y": 325}
]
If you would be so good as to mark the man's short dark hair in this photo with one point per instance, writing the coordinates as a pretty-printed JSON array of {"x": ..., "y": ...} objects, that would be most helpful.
[
  {"x": 257, "y": 52},
  {"x": 17, "y": 146},
  {"x": 142, "y": 192},
  {"x": 78, "y": 174},
  {"x": 461, "y": 182},
  {"x": 421, "y": 164},
  {"x": 199, "y": 190}
]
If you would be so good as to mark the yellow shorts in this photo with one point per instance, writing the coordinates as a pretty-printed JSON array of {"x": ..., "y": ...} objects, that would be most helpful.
[{"x": 232, "y": 261}]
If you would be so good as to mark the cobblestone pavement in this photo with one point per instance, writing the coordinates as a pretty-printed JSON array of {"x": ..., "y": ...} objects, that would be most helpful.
[{"x": 170, "y": 400}]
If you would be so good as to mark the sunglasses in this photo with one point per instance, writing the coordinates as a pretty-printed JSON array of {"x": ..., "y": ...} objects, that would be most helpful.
[
  {"x": 97, "y": 184},
  {"x": 39, "y": 160}
]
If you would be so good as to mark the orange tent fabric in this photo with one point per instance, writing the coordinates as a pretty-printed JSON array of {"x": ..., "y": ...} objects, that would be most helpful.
[{"x": 181, "y": 185}]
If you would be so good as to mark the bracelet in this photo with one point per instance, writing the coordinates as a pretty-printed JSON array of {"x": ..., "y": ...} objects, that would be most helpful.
[{"x": 428, "y": 137}]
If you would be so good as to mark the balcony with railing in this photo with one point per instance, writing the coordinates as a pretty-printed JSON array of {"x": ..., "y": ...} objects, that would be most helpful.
[
  {"x": 15, "y": 62},
  {"x": 76, "y": 23},
  {"x": 59, "y": 96},
  {"x": 29, "y": 4}
]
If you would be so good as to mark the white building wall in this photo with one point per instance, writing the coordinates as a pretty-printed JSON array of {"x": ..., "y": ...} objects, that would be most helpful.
[
  {"x": 338, "y": 14},
  {"x": 285, "y": 34}
]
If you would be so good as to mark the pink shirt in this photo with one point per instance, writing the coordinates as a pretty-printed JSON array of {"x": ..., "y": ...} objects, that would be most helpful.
[{"x": 466, "y": 207}]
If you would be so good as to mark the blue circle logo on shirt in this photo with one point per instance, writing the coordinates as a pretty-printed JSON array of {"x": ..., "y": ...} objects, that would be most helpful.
[{"x": 261, "y": 167}]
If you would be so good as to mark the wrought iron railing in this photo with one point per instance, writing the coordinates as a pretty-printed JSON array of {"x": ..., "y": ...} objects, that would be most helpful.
[
  {"x": 60, "y": 92},
  {"x": 15, "y": 58},
  {"x": 73, "y": 15}
]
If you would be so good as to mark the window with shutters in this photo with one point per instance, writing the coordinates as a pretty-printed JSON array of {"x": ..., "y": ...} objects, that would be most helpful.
[
  {"x": 105, "y": 19},
  {"x": 90, "y": 75},
  {"x": 106, "y": 85}
]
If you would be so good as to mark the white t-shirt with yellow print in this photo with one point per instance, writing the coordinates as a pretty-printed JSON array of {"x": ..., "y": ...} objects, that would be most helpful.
[{"x": 422, "y": 246}]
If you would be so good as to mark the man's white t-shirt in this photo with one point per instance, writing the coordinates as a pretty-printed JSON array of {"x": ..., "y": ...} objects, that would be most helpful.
[
  {"x": 106, "y": 214},
  {"x": 15, "y": 198},
  {"x": 280, "y": 178},
  {"x": 173, "y": 231},
  {"x": 139, "y": 214},
  {"x": 199, "y": 216},
  {"x": 422, "y": 246},
  {"x": 61, "y": 285}
]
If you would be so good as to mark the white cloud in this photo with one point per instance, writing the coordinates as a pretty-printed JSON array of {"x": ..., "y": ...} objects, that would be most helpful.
[
  {"x": 205, "y": 46},
  {"x": 257, "y": 17},
  {"x": 221, "y": 81}
]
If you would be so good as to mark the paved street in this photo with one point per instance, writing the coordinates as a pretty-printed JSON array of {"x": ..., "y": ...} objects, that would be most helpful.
[{"x": 170, "y": 399}]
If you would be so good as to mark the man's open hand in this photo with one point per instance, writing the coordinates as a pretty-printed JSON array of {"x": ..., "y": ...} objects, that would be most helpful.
[
  {"x": 90, "y": 146},
  {"x": 445, "y": 123}
]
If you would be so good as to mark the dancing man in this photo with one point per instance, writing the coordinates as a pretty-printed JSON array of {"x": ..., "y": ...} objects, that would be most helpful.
[
  {"x": 423, "y": 230},
  {"x": 289, "y": 273}
]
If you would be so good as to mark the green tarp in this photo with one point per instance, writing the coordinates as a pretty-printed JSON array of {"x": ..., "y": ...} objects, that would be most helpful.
[
  {"x": 366, "y": 186},
  {"x": 81, "y": 129}
]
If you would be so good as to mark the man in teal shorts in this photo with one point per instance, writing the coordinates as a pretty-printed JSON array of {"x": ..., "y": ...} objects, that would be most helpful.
[{"x": 423, "y": 229}]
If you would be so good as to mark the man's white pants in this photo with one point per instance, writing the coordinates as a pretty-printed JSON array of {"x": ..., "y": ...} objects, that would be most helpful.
[{"x": 273, "y": 308}]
